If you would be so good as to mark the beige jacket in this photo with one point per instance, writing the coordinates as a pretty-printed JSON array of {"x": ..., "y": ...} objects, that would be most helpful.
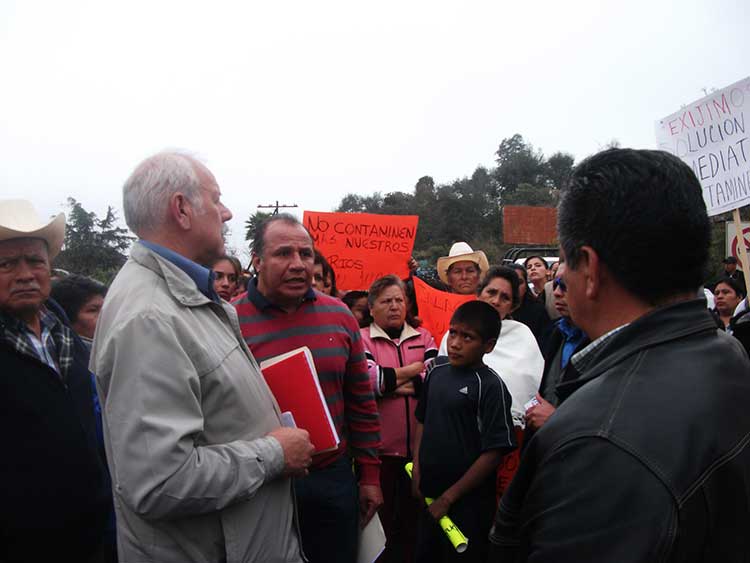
[{"x": 185, "y": 415}]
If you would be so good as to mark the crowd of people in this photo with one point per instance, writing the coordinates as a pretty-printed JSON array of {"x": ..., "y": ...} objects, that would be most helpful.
[{"x": 579, "y": 410}]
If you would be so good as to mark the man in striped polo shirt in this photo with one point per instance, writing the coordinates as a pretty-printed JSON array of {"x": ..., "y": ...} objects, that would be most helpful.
[{"x": 280, "y": 312}]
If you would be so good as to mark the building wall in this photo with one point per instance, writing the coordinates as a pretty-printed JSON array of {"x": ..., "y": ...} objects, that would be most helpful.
[{"x": 529, "y": 225}]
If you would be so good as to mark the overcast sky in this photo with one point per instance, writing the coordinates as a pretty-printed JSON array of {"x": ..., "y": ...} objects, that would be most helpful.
[{"x": 305, "y": 102}]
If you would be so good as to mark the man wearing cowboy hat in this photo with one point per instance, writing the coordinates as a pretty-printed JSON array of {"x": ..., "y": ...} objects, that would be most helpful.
[
  {"x": 54, "y": 493},
  {"x": 462, "y": 269}
]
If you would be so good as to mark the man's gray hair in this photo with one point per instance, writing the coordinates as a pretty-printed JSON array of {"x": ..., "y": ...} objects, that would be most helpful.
[{"x": 146, "y": 192}]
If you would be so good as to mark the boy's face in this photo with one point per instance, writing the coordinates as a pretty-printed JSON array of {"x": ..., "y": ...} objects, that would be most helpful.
[{"x": 466, "y": 347}]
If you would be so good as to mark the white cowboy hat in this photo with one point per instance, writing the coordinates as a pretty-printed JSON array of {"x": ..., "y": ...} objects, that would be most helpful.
[
  {"x": 461, "y": 251},
  {"x": 19, "y": 219}
]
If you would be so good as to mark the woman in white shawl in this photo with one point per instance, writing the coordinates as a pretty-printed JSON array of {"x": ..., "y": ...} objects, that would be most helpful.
[{"x": 516, "y": 357}]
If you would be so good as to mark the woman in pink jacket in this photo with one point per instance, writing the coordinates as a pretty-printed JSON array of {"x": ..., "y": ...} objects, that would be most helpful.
[{"x": 397, "y": 354}]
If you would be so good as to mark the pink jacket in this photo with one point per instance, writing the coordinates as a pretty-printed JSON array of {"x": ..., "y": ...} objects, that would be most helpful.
[{"x": 397, "y": 422}]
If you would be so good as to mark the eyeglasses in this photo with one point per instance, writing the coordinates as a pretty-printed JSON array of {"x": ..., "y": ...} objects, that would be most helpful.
[{"x": 558, "y": 282}]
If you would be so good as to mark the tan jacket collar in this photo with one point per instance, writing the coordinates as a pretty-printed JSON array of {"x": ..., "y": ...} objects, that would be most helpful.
[{"x": 407, "y": 332}]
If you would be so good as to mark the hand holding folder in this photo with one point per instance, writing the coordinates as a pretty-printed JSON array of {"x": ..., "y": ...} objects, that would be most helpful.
[
  {"x": 294, "y": 383},
  {"x": 297, "y": 448}
]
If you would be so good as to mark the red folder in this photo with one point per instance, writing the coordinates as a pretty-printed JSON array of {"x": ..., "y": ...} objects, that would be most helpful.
[{"x": 294, "y": 382}]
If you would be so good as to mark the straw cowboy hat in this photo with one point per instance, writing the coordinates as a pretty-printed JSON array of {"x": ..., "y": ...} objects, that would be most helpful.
[
  {"x": 19, "y": 219},
  {"x": 461, "y": 251}
]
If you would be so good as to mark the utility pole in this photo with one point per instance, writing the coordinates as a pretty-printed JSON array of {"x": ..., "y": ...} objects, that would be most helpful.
[{"x": 276, "y": 207}]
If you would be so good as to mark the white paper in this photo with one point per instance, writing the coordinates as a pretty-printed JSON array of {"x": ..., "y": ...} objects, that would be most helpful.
[
  {"x": 371, "y": 541},
  {"x": 287, "y": 419}
]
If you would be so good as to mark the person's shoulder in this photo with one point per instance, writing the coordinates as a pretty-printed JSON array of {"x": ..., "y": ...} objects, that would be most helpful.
[
  {"x": 490, "y": 377},
  {"x": 333, "y": 308},
  {"x": 440, "y": 365},
  {"x": 145, "y": 300},
  {"x": 240, "y": 299},
  {"x": 423, "y": 332},
  {"x": 332, "y": 304},
  {"x": 517, "y": 329}
]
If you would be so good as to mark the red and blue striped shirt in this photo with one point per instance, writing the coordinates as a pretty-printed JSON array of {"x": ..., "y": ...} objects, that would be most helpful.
[{"x": 326, "y": 326}]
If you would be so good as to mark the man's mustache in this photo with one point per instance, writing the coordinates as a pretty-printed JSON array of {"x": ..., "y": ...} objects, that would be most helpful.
[{"x": 26, "y": 287}]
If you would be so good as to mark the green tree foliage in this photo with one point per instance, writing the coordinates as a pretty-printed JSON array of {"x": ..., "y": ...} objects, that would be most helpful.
[
  {"x": 251, "y": 225},
  {"x": 93, "y": 247},
  {"x": 558, "y": 169},
  {"x": 526, "y": 194},
  {"x": 353, "y": 203},
  {"x": 526, "y": 177},
  {"x": 518, "y": 163},
  {"x": 470, "y": 209}
]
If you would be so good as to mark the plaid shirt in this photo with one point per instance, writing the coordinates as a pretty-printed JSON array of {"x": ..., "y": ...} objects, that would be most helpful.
[
  {"x": 55, "y": 348},
  {"x": 583, "y": 358}
]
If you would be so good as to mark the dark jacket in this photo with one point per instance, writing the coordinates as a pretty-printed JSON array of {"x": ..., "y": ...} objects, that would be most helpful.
[
  {"x": 553, "y": 371},
  {"x": 54, "y": 495},
  {"x": 737, "y": 276},
  {"x": 534, "y": 315},
  {"x": 740, "y": 326},
  {"x": 649, "y": 458}
]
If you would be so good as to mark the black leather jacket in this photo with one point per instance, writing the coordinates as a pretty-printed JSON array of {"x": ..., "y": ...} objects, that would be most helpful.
[{"x": 649, "y": 458}]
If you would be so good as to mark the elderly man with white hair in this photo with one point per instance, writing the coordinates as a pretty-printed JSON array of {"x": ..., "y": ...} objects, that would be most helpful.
[
  {"x": 193, "y": 434},
  {"x": 54, "y": 492}
]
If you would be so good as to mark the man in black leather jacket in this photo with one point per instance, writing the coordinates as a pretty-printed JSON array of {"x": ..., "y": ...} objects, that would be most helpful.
[{"x": 648, "y": 457}]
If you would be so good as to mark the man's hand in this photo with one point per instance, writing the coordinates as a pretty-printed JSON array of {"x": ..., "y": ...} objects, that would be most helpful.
[
  {"x": 370, "y": 499},
  {"x": 295, "y": 442},
  {"x": 412, "y": 264},
  {"x": 537, "y": 415},
  {"x": 440, "y": 506}
]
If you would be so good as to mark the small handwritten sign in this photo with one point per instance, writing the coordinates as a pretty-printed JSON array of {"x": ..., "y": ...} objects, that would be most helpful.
[{"x": 436, "y": 307}]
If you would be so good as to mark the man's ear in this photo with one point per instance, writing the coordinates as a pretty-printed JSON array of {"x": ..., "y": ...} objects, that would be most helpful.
[
  {"x": 181, "y": 210},
  {"x": 256, "y": 263},
  {"x": 489, "y": 346},
  {"x": 591, "y": 267}
]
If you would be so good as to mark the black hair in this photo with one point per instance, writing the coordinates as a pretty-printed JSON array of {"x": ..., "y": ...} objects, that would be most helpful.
[
  {"x": 526, "y": 262},
  {"x": 234, "y": 261},
  {"x": 260, "y": 232},
  {"x": 327, "y": 271},
  {"x": 627, "y": 203},
  {"x": 74, "y": 291},
  {"x": 519, "y": 268},
  {"x": 481, "y": 317},
  {"x": 501, "y": 272},
  {"x": 379, "y": 285},
  {"x": 734, "y": 284},
  {"x": 351, "y": 297}
]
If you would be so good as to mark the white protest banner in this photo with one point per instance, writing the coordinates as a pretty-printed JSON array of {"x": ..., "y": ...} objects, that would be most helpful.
[{"x": 710, "y": 136}]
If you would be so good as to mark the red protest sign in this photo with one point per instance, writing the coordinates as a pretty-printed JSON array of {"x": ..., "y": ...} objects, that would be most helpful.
[
  {"x": 436, "y": 307},
  {"x": 362, "y": 247}
]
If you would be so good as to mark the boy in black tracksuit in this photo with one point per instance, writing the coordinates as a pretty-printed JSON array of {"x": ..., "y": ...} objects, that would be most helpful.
[{"x": 464, "y": 428}]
